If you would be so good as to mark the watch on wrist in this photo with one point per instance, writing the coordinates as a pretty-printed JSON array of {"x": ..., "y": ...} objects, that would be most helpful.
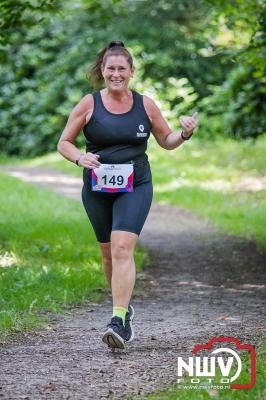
[
  {"x": 77, "y": 159},
  {"x": 185, "y": 137}
]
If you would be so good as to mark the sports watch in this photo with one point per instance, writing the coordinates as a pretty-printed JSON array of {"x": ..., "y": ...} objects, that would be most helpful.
[{"x": 185, "y": 137}]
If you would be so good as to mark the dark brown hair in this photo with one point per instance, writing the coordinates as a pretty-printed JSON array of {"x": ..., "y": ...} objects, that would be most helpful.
[{"x": 114, "y": 48}]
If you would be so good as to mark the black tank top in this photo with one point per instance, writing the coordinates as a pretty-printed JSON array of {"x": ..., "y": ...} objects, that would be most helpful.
[{"x": 118, "y": 138}]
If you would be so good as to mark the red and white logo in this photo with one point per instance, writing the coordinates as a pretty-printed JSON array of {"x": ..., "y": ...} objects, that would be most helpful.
[{"x": 222, "y": 355}]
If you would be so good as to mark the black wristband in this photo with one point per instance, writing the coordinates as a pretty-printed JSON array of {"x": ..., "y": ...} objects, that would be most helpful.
[
  {"x": 77, "y": 159},
  {"x": 185, "y": 137}
]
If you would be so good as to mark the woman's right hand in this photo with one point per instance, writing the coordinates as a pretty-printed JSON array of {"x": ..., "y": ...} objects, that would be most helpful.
[{"x": 89, "y": 160}]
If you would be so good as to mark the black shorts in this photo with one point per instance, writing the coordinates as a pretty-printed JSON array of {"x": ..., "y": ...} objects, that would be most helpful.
[{"x": 124, "y": 211}]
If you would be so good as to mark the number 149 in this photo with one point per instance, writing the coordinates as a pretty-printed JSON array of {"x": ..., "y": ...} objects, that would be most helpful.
[{"x": 114, "y": 180}]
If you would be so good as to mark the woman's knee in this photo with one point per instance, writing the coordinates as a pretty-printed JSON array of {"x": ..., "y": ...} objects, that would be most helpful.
[{"x": 122, "y": 245}]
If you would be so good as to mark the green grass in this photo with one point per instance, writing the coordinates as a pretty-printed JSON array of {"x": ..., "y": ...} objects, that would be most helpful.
[
  {"x": 258, "y": 392},
  {"x": 49, "y": 257},
  {"x": 214, "y": 179}
]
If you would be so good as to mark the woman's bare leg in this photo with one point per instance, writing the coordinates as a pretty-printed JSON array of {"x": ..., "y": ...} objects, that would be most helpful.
[
  {"x": 107, "y": 261},
  {"x": 123, "y": 267}
]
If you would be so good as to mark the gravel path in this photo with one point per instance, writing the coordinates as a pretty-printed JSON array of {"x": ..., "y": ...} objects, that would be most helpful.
[{"x": 201, "y": 284}]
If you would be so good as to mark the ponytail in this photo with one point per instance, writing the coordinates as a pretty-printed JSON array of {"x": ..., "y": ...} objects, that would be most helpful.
[{"x": 114, "y": 48}]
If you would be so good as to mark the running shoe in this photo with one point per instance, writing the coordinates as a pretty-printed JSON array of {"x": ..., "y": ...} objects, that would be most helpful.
[
  {"x": 129, "y": 331},
  {"x": 114, "y": 336}
]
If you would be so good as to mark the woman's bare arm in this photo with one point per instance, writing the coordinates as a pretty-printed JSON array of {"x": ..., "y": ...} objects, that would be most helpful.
[
  {"x": 76, "y": 121},
  {"x": 164, "y": 136}
]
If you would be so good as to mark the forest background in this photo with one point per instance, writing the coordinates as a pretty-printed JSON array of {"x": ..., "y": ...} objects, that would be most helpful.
[{"x": 202, "y": 55}]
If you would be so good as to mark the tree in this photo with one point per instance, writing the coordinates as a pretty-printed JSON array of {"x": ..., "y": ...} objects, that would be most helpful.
[{"x": 15, "y": 14}]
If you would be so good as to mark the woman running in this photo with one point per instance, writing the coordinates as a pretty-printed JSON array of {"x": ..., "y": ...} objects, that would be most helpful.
[{"x": 117, "y": 191}]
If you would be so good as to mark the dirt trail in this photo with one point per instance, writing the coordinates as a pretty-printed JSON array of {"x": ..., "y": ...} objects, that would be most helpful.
[{"x": 201, "y": 284}]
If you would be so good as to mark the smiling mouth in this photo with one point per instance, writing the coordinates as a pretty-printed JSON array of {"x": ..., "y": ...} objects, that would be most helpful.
[{"x": 116, "y": 81}]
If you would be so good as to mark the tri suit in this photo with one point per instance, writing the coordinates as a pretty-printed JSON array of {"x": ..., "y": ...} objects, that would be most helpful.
[{"x": 118, "y": 139}]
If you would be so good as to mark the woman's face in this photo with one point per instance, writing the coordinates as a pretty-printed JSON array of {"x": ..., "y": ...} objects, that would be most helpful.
[{"x": 117, "y": 73}]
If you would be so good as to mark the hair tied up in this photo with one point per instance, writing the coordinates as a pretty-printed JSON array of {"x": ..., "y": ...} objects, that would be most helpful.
[{"x": 115, "y": 43}]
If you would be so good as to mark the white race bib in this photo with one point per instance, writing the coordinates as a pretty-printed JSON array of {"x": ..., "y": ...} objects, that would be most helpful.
[{"x": 113, "y": 178}]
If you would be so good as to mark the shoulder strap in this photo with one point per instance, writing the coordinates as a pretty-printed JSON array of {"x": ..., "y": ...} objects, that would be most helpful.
[
  {"x": 96, "y": 100},
  {"x": 138, "y": 99}
]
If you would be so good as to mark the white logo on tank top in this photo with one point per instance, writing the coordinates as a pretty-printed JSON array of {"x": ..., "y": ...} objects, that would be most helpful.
[{"x": 141, "y": 133}]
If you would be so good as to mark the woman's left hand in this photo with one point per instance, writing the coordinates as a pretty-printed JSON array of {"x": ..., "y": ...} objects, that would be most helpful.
[{"x": 189, "y": 123}]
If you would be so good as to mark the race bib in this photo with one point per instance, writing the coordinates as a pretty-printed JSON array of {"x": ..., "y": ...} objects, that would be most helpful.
[{"x": 112, "y": 178}]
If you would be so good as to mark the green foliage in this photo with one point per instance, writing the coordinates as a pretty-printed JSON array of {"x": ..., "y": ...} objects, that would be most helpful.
[
  {"x": 237, "y": 108},
  {"x": 15, "y": 14},
  {"x": 198, "y": 55}
]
